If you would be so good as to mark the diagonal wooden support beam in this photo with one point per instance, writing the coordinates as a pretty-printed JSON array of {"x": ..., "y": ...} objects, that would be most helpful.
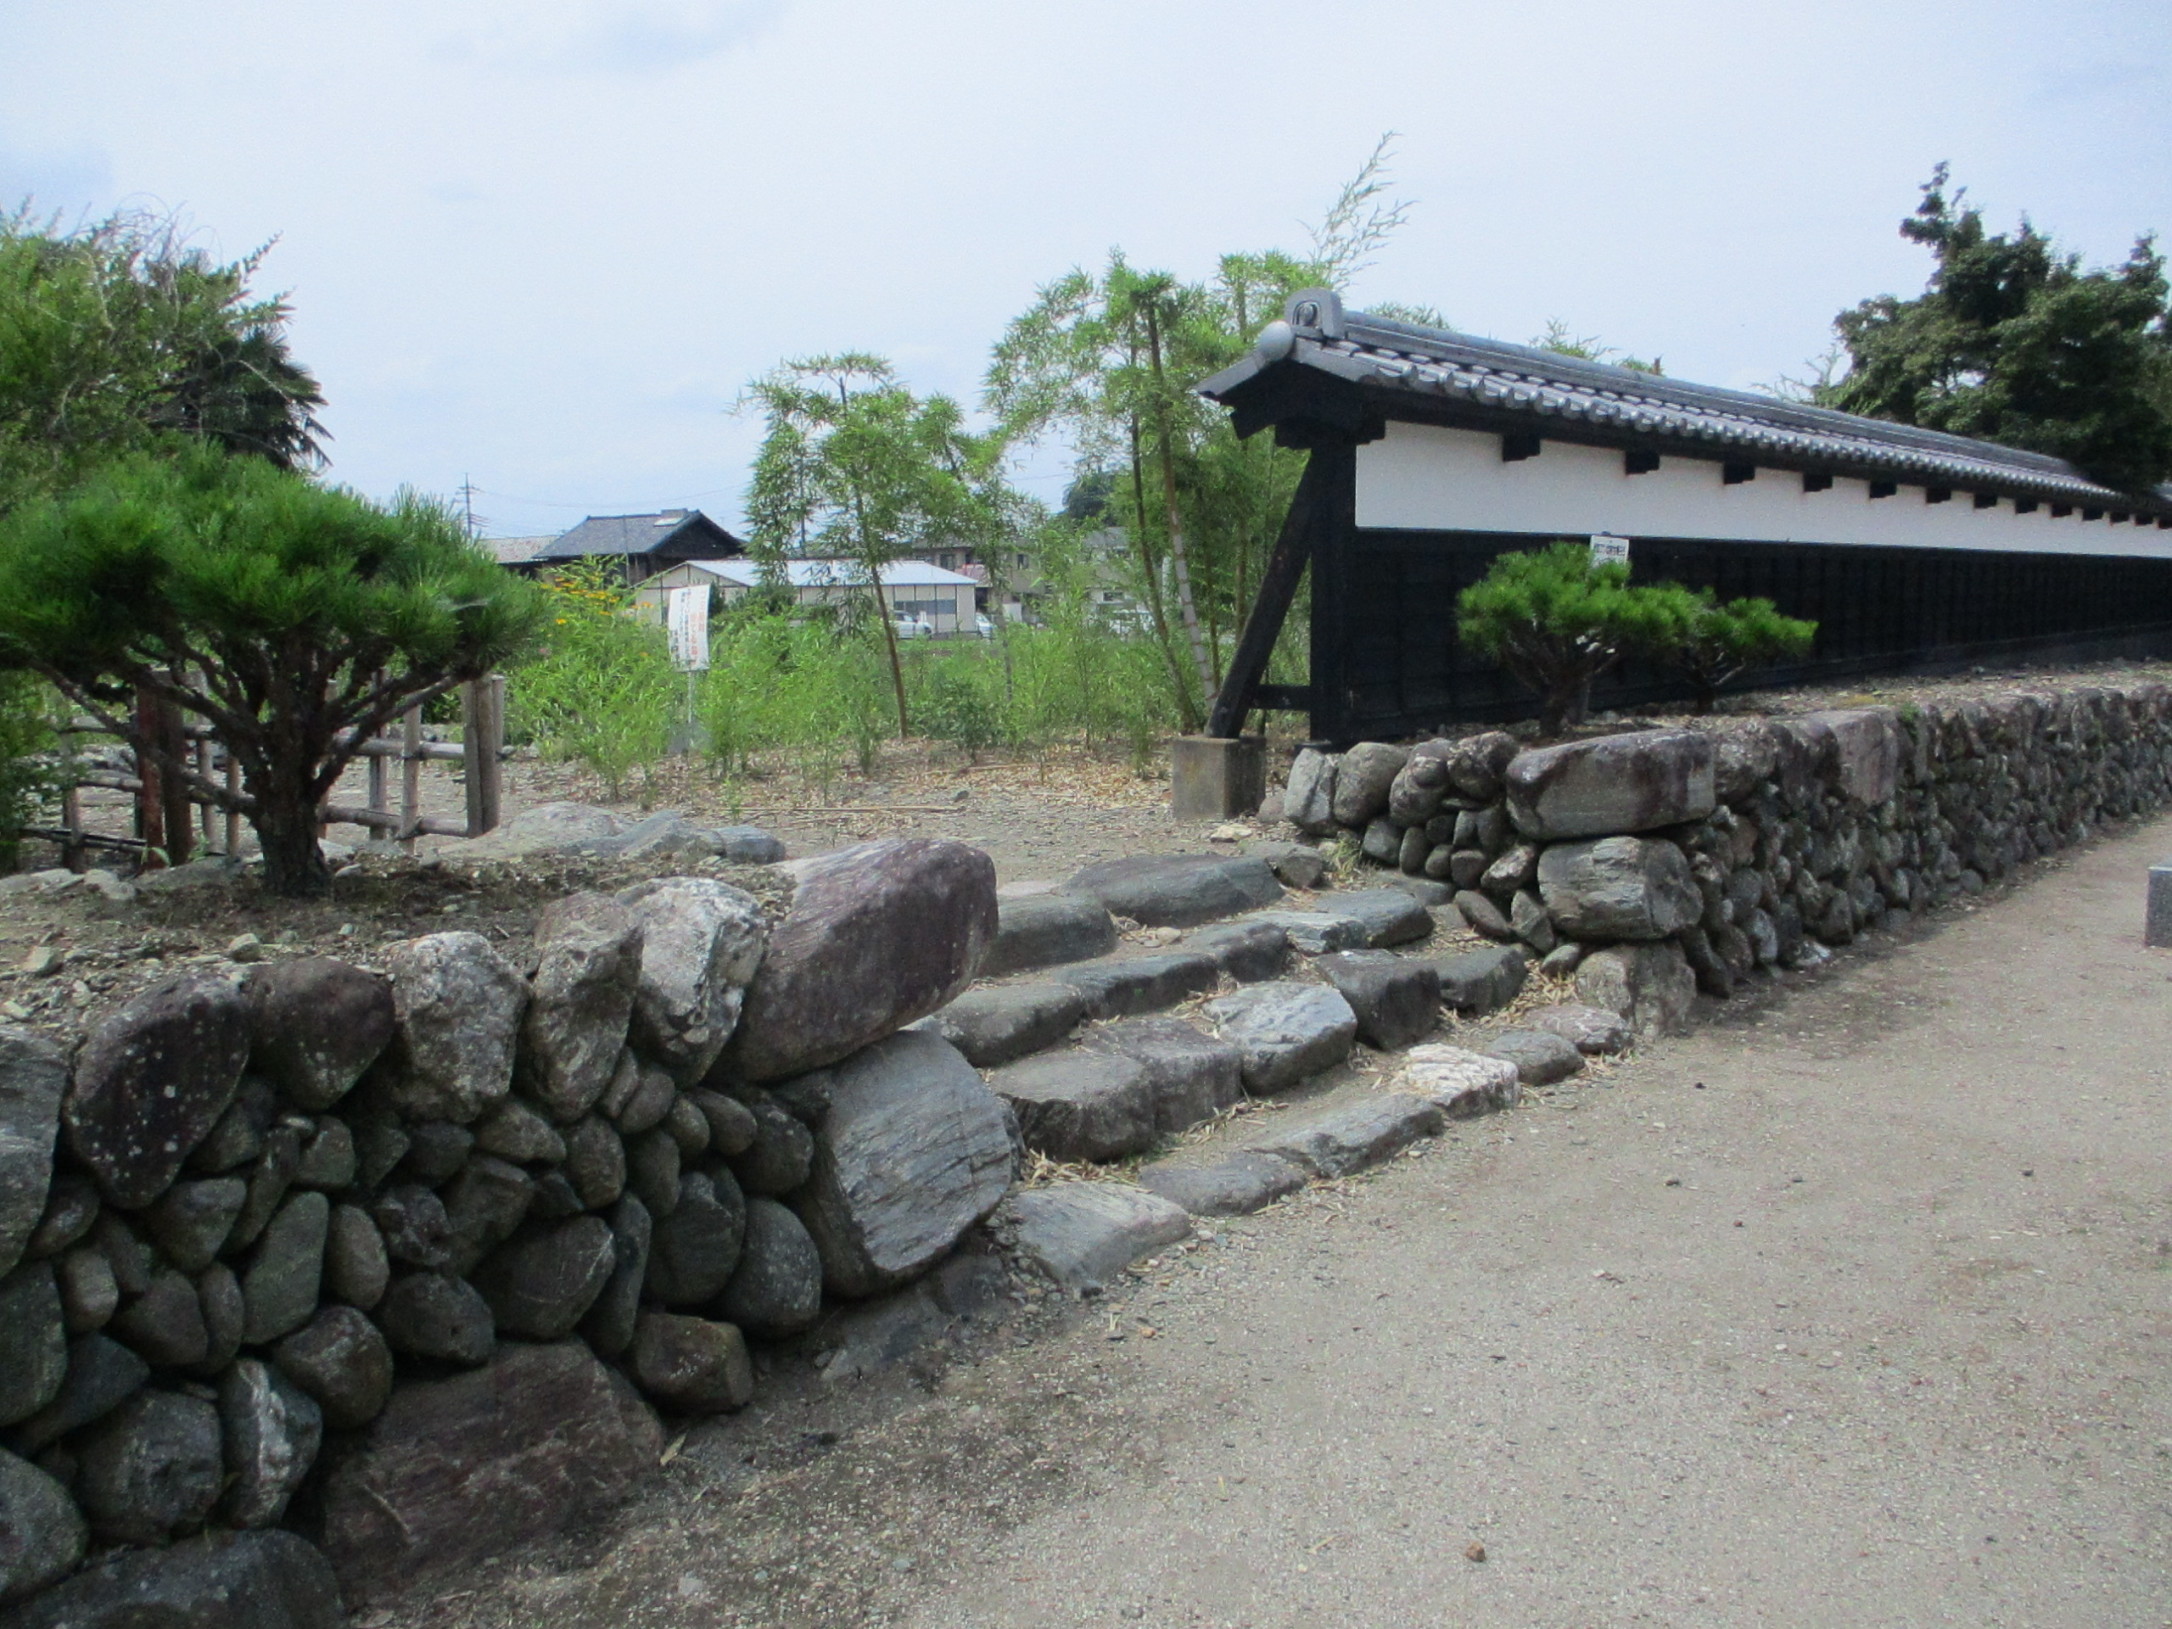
[{"x": 1277, "y": 587}]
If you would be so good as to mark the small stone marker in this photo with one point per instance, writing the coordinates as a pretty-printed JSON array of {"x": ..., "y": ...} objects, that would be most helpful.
[{"x": 2157, "y": 929}]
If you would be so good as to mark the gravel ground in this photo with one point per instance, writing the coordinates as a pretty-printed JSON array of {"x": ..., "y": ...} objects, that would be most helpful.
[{"x": 1850, "y": 1308}]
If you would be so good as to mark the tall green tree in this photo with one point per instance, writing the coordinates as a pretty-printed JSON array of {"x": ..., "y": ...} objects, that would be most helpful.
[
  {"x": 854, "y": 464},
  {"x": 121, "y": 333},
  {"x": 297, "y": 619},
  {"x": 2016, "y": 342},
  {"x": 1106, "y": 361}
]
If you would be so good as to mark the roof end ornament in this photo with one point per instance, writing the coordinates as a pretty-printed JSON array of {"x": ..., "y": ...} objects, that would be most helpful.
[{"x": 1315, "y": 313}]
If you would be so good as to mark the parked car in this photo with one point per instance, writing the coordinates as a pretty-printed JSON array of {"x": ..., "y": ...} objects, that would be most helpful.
[
  {"x": 983, "y": 627},
  {"x": 914, "y": 628}
]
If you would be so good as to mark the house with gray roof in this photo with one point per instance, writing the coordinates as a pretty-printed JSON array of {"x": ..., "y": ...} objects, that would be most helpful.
[{"x": 641, "y": 545}]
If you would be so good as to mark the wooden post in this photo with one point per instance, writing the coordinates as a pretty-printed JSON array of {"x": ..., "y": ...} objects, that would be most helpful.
[
  {"x": 150, "y": 797},
  {"x": 482, "y": 732},
  {"x": 233, "y": 816},
  {"x": 410, "y": 777},
  {"x": 210, "y": 817},
  {"x": 1277, "y": 587},
  {"x": 380, "y": 795},
  {"x": 71, "y": 819}
]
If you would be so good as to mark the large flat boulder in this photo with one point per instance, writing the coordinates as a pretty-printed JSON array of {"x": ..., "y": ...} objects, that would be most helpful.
[
  {"x": 1316, "y": 933},
  {"x": 877, "y": 936},
  {"x": 456, "y": 1470},
  {"x": 1082, "y": 1234},
  {"x": 913, "y": 1149},
  {"x": 701, "y": 942},
  {"x": 1078, "y": 1105},
  {"x": 1045, "y": 930},
  {"x": 1247, "y": 951},
  {"x": 1178, "y": 890},
  {"x": 1285, "y": 1032},
  {"x": 33, "y": 1079},
  {"x": 1619, "y": 888},
  {"x": 152, "y": 1080},
  {"x": 1635, "y": 782},
  {"x": 547, "y": 828},
  {"x": 257, "y": 1580}
]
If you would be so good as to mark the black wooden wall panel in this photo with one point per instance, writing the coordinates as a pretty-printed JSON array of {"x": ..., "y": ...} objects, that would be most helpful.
[{"x": 1878, "y": 610}]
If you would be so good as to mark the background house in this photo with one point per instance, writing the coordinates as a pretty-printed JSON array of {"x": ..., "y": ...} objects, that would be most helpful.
[
  {"x": 910, "y": 588},
  {"x": 640, "y": 545}
]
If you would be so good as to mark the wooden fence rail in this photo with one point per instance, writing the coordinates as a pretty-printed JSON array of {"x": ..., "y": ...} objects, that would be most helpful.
[{"x": 480, "y": 753}]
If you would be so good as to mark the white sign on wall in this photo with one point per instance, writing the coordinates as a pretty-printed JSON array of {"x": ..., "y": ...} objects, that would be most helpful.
[
  {"x": 1609, "y": 551},
  {"x": 686, "y": 622}
]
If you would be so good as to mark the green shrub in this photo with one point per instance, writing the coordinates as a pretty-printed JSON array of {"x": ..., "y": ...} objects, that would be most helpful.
[
  {"x": 1556, "y": 621},
  {"x": 27, "y": 773},
  {"x": 956, "y": 706},
  {"x": 1712, "y": 642},
  {"x": 603, "y": 692}
]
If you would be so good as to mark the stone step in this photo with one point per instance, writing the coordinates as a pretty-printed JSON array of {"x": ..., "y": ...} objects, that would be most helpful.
[
  {"x": 1178, "y": 890},
  {"x": 1082, "y": 1234},
  {"x": 995, "y": 1024},
  {"x": 1047, "y": 930},
  {"x": 1123, "y": 986}
]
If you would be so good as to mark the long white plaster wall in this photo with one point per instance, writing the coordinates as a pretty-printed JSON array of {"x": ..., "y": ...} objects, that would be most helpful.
[{"x": 1421, "y": 477}]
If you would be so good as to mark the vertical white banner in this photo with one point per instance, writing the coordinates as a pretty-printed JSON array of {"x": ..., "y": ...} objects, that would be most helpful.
[{"x": 686, "y": 622}]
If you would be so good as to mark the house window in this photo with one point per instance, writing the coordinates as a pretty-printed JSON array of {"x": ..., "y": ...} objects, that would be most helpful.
[
  {"x": 947, "y": 560},
  {"x": 1018, "y": 560}
]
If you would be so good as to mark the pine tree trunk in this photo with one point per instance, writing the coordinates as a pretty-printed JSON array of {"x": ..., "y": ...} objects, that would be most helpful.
[{"x": 286, "y": 830}]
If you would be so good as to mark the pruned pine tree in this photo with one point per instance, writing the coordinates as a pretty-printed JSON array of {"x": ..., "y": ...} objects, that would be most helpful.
[{"x": 297, "y": 619}]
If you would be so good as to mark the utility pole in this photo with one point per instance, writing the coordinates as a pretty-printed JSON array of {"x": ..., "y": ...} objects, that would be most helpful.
[{"x": 467, "y": 505}]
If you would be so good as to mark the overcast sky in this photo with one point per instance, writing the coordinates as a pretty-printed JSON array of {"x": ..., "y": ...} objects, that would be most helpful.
[{"x": 542, "y": 244}]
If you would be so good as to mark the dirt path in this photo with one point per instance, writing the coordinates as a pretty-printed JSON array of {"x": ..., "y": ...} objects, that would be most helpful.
[{"x": 1855, "y": 1308}]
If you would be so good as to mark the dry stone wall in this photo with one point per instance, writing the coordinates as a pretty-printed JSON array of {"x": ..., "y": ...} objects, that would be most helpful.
[
  {"x": 408, "y": 1257},
  {"x": 1655, "y": 863}
]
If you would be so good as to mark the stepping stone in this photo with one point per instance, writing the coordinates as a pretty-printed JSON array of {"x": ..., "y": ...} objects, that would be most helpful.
[
  {"x": 1120, "y": 986},
  {"x": 1241, "y": 1182},
  {"x": 1080, "y": 1105},
  {"x": 1178, "y": 890},
  {"x": 1391, "y": 916},
  {"x": 1316, "y": 933},
  {"x": 1355, "y": 1135},
  {"x": 1246, "y": 951},
  {"x": 1285, "y": 1031},
  {"x": 1483, "y": 915},
  {"x": 995, "y": 1023},
  {"x": 1593, "y": 1031},
  {"x": 1482, "y": 981},
  {"x": 1540, "y": 1056},
  {"x": 1424, "y": 890},
  {"x": 1046, "y": 930},
  {"x": 1299, "y": 865},
  {"x": 1082, "y": 1234},
  {"x": 1462, "y": 1083},
  {"x": 1396, "y": 999},
  {"x": 1194, "y": 1075}
]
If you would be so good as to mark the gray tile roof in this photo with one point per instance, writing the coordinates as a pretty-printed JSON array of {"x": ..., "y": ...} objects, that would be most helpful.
[
  {"x": 678, "y": 534},
  {"x": 509, "y": 551},
  {"x": 1436, "y": 375}
]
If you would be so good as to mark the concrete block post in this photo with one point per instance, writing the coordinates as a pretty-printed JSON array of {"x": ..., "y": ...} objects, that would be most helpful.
[
  {"x": 2157, "y": 928},
  {"x": 1213, "y": 779}
]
